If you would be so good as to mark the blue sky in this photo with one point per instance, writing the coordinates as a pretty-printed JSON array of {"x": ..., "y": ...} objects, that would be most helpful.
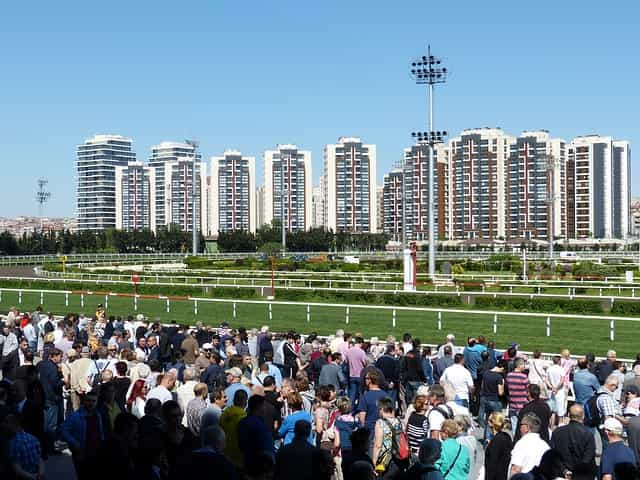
[{"x": 248, "y": 75}]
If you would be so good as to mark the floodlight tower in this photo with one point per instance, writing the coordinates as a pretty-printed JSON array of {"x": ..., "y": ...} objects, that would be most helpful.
[
  {"x": 427, "y": 70},
  {"x": 42, "y": 197},
  {"x": 194, "y": 228}
]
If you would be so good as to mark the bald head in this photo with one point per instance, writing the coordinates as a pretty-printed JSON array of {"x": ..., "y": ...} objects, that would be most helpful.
[{"x": 576, "y": 413}]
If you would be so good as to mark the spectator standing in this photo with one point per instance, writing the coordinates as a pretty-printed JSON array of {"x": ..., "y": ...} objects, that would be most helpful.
[
  {"x": 575, "y": 442},
  {"x": 254, "y": 437},
  {"x": 517, "y": 383},
  {"x": 23, "y": 450},
  {"x": 52, "y": 383},
  {"x": 439, "y": 412},
  {"x": 386, "y": 427},
  {"x": 286, "y": 430},
  {"x": 616, "y": 452},
  {"x": 443, "y": 362},
  {"x": 557, "y": 385},
  {"x": 9, "y": 360},
  {"x": 540, "y": 408},
  {"x": 163, "y": 391},
  {"x": 356, "y": 359},
  {"x": 585, "y": 383},
  {"x": 527, "y": 451},
  {"x": 190, "y": 348},
  {"x": 417, "y": 424},
  {"x": 454, "y": 463},
  {"x": 234, "y": 380},
  {"x": 229, "y": 421},
  {"x": 459, "y": 378},
  {"x": 491, "y": 389},
  {"x": 604, "y": 368},
  {"x": 497, "y": 455},
  {"x": 368, "y": 408}
]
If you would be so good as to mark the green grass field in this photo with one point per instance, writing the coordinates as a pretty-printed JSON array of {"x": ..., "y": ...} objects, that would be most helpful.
[{"x": 579, "y": 336}]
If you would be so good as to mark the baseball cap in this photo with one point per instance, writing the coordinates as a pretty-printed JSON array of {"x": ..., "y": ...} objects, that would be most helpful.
[
  {"x": 613, "y": 426},
  {"x": 207, "y": 346},
  {"x": 235, "y": 371},
  {"x": 633, "y": 389},
  {"x": 451, "y": 336},
  {"x": 86, "y": 350}
]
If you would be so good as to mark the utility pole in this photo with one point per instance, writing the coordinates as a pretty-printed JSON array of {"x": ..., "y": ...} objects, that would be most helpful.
[
  {"x": 426, "y": 70},
  {"x": 194, "y": 224}
]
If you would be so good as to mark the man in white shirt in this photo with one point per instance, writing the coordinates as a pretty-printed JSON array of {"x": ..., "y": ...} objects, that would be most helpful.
[
  {"x": 163, "y": 391},
  {"x": 438, "y": 413},
  {"x": 186, "y": 391},
  {"x": 459, "y": 378},
  {"x": 556, "y": 390},
  {"x": 527, "y": 451}
]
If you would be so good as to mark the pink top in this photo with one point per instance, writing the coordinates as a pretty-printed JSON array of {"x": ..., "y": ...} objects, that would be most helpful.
[
  {"x": 357, "y": 361},
  {"x": 568, "y": 364}
]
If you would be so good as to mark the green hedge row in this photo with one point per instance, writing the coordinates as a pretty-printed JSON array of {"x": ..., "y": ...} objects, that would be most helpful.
[{"x": 550, "y": 305}]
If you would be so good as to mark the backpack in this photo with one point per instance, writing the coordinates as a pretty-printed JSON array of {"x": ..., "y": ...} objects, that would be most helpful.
[
  {"x": 591, "y": 412},
  {"x": 48, "y": 327},
  {"x": 399, "y": 442}
]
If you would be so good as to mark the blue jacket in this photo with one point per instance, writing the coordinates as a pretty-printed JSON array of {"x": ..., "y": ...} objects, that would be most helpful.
[
  {"x": 427, "y": 370},
  {"x": 51, "y": 380},
  {"x": 585, "y": 385},
  {"x": 74, "y": 428},
  {"x": 286, "y": 429}
]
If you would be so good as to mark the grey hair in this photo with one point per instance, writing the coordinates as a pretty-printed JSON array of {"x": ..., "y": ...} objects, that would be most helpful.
[{"x": 189, "y": 374}]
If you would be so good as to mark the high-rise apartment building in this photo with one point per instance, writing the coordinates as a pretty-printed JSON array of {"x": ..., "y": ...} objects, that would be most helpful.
[
  {"x": 97, "y": 159},
  {"x": 380, "y": 208},
  {"x": 233, "y": 192},
  {"x": 416, "y": 171},
  {"x": 393, "y": 197},
  {"x": 317, "y": 206},
  {"x": 635, "y": 218},
  {"x": 169, "y": 160},
  {"x": 288, "y": 187},
  {"x": 135, "y": 197},
  {"x": 260, "y": 221},
  {"x": 350, "y": 174},
  {"x": 535, "y": 180},
  {"x": 598, "y": 188},
  {"x": 477, "y": 160}
]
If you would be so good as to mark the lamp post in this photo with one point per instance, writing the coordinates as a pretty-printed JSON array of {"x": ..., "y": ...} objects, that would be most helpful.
[
  {"x": 194, "y": 227},
  {"x": 282, "y": 203},
  {"x": 552, "y": 164},
  {"x": 426, "y": 70}
]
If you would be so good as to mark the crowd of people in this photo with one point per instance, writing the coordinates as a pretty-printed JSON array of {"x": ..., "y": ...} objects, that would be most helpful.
[{"x": 131, "y": 398}]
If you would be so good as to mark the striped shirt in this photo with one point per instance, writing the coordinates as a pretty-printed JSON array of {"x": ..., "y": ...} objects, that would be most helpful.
[
  {"x": 417, "y": 428},
  {"x": 517, "y": 384}
]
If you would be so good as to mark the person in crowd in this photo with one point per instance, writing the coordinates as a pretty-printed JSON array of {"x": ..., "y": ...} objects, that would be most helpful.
[
  {"x": 459, "y": 378},
  {"x": 255, "y": 439},
  {"x": 298, "y": 460},
  {"x": 368, "y": 408},
  {"x": 163, "y": 390},
  {"x": 497, "y": 455},
  {"x": 195, "y": 408},
  {"x": 332, "y": 373},
  {"x": 557, "y": 386},
  {"x": 138, "y": 398},
  {"x": 356, "y": 359},
  {"x": 386, "y": 428},
  {"x": 23, "y": 450},
  {"x": 467, "y": 438},
  {"x": 527, "y": 451},
  {"x": 517, "y": 382},
  {"x": 454, "y": 463},
  {"x": 585, "y": 383},
  {"x": 575, "y": 442},
  {"x": 83, "y": 432},
  {"x": 417, "y": 424},
  {"x": 229, "y": 421},
  {"x": 209, "y": 458},
  {"x": 490, "y": 394},
  {"x": 439, "y": 411},
  {"x": 234, "y": 380},
  {"x": 443, "y": 362},
  {"x": 540, "y": 408},
  {"x": 604, "y": 368},
  {"x": 295, "y": 405},
  {"x": 616, "y": 452}
]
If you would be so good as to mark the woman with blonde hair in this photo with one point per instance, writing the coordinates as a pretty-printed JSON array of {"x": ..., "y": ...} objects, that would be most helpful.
[
  {"x": 498, "y": 452},
  {"x": 454, "y": 463},
  {"x": 476, "y": 452}
]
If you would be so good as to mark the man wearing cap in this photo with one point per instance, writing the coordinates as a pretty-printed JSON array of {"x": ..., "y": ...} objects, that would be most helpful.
[
  {"x": 234, "y": 378},
  {"x": 450, "y": 342},
  {"x": 616, "y": 451},
  {"x": 608, "y": 407},
  {"x": 202, "y": 362}
]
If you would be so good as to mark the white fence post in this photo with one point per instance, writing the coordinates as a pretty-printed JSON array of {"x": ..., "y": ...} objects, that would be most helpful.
[
  {"x": 270, "y": 313},
  {"x": 439, "y": 320},
  {"x": 394, "y": 318},
  {"x": 41, "y": 297},
  {"x": 20, "y": 296},
  {"x": 0, "y": 296},
  {"x": 82, "y": 300},
  {"x": 612, "y": 330},
  {"x": 106, "y": 301},
  {"x": 347, "y": 316},
  {"x": 135, "y": 302},
  {"x": 66, "y": 299},
  {"x": 495, "y": 323},
  {"x": 548, "y": 326},
  {"x": 308, "y": 313},
  {"x": 195, "y": 307},
  {"x": 168, "y": 305},
  {"x": 234, "y": 309}
]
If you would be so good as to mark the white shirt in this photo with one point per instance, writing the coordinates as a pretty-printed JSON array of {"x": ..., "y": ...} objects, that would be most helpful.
[
  {"x": 436, "y": 418},
  {"x": 161, "y": 393},
  {"x": 555, "y": 374},
  {"x": 459, "y": 378},
  {"x": 527, "y": 452},
  {"x": 185, "y": 395},
  {"x": 407, "y": 347},
  {"x": 29, "y": 333}
]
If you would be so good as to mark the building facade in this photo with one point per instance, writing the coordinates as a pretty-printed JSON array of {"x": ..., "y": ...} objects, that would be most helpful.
[
  {"x": 167, "y": 159},
  {"x": 260, "y": 221},
  {"x": 135, "y": 197},
  {"x": 535, "y": 187},
  {"x": 635, "y": 218},
  {"x": 233, "y": 193},
  {"x": 350, "y": 175},
  {"x": 288, "y": 187},
  {"x": 598, "y": 188},
  {"x": 392, "y": 200},
  {"x": 477, "y": 187},
  {"x": 416, "y": 172},
  {"x": 97, "y": 159},
  {"x": 317, "y": 205}
]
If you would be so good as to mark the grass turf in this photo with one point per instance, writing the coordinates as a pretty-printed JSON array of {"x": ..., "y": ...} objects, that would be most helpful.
[{"x": 579, "y": 336}]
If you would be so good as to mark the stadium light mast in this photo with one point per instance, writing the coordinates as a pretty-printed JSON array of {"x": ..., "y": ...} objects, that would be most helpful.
[
  {"x": 42, "y": 197},
  {"x": 427, "y": 70},
  {"x": 194, "y": 226}
]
